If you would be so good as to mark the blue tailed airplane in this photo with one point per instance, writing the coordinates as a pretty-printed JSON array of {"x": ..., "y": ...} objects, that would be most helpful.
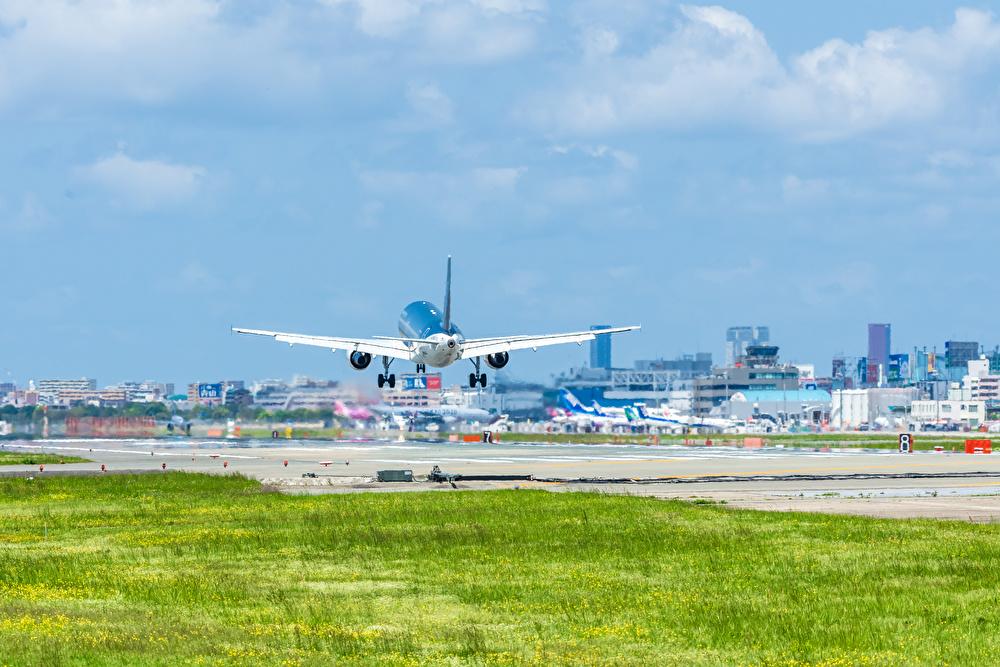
[{"x": 428, "y": 337}]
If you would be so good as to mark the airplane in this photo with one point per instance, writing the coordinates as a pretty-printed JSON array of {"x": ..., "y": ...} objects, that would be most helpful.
[
  {"x": 362, "y": 414},
  {"x": 428, "y": 337},
  {"x": 450, "y": 413},
  {"x": 581, "y": 415}
]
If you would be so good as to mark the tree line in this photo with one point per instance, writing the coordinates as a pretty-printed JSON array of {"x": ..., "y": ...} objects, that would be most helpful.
[{"x": 35, "y": 414}]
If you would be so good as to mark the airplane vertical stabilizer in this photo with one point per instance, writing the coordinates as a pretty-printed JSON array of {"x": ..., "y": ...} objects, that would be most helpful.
[
  {"x": 447, "y": 299},
  {"x": 570, "y": 402}
]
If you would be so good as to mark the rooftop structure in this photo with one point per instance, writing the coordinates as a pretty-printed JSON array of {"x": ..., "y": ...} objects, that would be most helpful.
[
  {"x": 738, "y": 339},
  {"x": 757, "y": 369}
]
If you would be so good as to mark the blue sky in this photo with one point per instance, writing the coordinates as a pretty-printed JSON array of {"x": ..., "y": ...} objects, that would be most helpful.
[{"x": 170, "y": 169}]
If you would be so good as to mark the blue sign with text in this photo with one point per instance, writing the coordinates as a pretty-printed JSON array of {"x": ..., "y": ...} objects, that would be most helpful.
[
  {"x": 418, "y": 382},
  {"x": 210, "y": 391}
]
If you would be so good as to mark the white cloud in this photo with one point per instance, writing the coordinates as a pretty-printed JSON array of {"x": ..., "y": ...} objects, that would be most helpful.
[
  {"x": 950, "y": 159},
  {"x": 716, "y": 67},
  {"x": 197, "y": 277},
  {"x": 61, "y": 55},
  {"x": 495, "y": 179},
  {"x": 623, "y": 158},
  {"x": 803, "y": 191},
  {"x": 463, "y": 197},
  {"x": 430, "y": 103},
  {"x": 31, "y": 216},
  {"x": 523, "y": 283},
  {"x": 192, "y": 278},
  {"x": 452, "y": 30},
  {"x": 597, "y": 42},
  {"x": 370, "y": 212},
  {"x": 144, "y": 184}
]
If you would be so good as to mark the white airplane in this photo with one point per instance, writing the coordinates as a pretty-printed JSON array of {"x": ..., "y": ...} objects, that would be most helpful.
[{"x": 429, "y": 338}]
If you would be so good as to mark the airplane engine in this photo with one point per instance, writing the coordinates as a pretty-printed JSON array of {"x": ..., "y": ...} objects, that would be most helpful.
[
  {"x": 360, "y": 360},
  {"x": 498, "y": 360}
]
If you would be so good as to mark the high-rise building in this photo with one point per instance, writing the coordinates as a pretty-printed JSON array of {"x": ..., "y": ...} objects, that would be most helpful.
[
  {"x": 957, "y": 356},
  {"x": 738, "y": 339},
  {"x": 83, "y": 384},
  {"x": 600, "y": 348},
  {"x": 879, "y": 344}
]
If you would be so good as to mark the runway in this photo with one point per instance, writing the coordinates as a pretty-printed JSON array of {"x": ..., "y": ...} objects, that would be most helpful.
[{"x": 771, "y": 478}]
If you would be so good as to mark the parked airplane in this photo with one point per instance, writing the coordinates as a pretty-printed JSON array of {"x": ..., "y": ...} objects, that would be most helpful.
[
  {"x": 362, "y": 414},
  {"x": 428, "y": 337},
  {"x": 581, "y": 415},
  {"x": 637, "y": 415},
  {"x": 449, "y": 413}
]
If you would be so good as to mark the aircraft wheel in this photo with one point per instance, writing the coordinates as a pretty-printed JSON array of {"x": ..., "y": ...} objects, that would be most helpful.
[
  {"x": 392, "y": 381},
  {"x": 472, "y": 380},
  {"x": 381, "y": 380},
  {"x": 482, "y": 380}
]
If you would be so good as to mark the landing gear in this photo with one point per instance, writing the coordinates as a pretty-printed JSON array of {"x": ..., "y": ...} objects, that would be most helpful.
[
  {"x": 477, "y": 377},
  {"x": 386, "y": 379},
  {"x": 421, "y": 368}
]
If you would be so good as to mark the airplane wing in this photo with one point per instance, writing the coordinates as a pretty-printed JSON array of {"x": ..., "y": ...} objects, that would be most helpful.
[
  {"x": 387, "y": 347},
  {"x": 479, "y": 347}
]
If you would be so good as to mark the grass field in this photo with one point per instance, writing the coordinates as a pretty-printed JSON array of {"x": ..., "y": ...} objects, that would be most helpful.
[
  {"x": 28, "y": 458},
  {"x": 191, "y": 569}
]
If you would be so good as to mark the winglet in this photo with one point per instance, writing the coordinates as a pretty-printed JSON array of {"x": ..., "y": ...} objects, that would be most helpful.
[{"x": 447, "y": 299}]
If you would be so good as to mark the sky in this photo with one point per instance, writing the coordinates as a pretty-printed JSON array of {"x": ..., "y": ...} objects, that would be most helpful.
[{"x": 171, "y": 169}]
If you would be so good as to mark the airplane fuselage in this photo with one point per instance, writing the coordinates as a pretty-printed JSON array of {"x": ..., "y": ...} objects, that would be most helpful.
[{"x": 422, "y": 321}]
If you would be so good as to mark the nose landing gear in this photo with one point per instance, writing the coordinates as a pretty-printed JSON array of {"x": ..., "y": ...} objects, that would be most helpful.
[
  {"x": 386, "y": 379},
  {"x": 477, "y": 377}
]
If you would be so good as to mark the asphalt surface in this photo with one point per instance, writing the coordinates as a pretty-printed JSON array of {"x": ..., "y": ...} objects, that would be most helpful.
[{"x": 877, "y": 483}]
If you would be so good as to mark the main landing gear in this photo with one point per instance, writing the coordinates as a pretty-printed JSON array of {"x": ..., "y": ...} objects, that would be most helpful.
[
  {"x": 477, "y": 377},
  {"x": 421, "y": 368},
  {"x": 386, "y": 379}
]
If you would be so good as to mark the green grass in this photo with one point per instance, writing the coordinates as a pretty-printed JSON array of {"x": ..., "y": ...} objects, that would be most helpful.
[
  {"x": 190, "y": 569},
  {"x": 28, "y": 458}
]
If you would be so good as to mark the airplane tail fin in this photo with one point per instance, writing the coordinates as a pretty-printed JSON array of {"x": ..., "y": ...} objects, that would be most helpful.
[
  {"x": 447, "y": 299},
  {"x": 568, "y": 401}
]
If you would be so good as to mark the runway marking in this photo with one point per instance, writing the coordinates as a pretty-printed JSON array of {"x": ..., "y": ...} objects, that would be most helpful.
[
  {"x": 797, "y": 470},
  {"x": 728, "y": 474},
  {"x": 955, "y": 486},
  {"x": 586, "y": 463}
]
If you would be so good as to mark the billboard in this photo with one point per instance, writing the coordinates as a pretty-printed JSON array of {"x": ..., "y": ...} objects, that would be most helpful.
[
  {"x": 210, "y": 391},
  {"x": 421, "y": 382},
  {"x": 899, "y": 367},
  {"x": 871, "y": 376},
  {"x": 893, "y": 371}
]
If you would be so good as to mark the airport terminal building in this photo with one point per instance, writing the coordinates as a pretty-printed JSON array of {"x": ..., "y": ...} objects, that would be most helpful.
[{"x": 757, "y": 370}]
